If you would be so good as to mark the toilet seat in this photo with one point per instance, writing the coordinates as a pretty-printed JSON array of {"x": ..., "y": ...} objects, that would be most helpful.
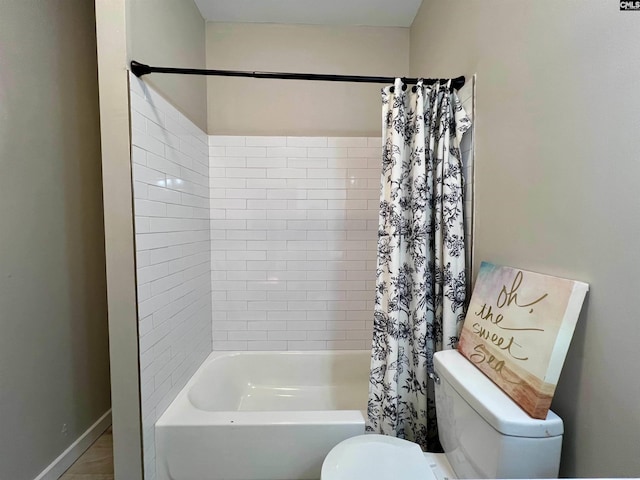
[{"x": 376, "y": 457}]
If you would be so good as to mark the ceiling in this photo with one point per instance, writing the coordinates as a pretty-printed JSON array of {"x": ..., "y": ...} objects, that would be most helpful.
[{"x": 377, "y": 13}]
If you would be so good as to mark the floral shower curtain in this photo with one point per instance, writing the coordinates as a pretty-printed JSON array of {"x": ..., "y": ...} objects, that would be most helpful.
[{"x": 420, "y": 287}]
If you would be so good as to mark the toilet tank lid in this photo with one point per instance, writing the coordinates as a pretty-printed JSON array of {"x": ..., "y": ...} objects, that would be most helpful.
[{"x": 489, "y": 401}]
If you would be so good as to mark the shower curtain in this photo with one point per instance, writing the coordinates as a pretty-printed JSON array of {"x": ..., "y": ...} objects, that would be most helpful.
[{"x": 420, "y": 285}]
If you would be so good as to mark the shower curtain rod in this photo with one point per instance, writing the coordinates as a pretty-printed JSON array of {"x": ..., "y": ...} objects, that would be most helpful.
[{"x": 140, "y": 69}]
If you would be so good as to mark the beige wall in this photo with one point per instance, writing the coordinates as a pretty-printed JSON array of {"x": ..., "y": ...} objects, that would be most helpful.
[
  {"x": 113, "y": 80},
  {"x": 159, "y": 33},
  {"x": 54, "y": 365},
  {"x": 556, "y": 184},
  {"x": 171, "y": 33},
  {"x": 245, "y": 106}
]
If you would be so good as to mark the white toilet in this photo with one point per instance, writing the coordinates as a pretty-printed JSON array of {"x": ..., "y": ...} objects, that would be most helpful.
[{"x": 484, "y": 434}]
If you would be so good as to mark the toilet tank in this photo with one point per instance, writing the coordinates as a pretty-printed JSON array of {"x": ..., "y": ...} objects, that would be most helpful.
[{"x": 484, "y": 433}]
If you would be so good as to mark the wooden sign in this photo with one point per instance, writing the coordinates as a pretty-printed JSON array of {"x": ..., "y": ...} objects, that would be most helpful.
[{"x": 518, "y": 329}]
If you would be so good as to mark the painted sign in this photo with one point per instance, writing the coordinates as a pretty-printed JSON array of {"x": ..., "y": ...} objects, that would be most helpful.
[{"x": 517, "y": 331}]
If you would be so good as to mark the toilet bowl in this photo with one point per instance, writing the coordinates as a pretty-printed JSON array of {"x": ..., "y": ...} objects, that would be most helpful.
[
  {"x": 380, "y": 457},
  {"x": 484, "y": 434},
  {"x": 375, "y": 457}
]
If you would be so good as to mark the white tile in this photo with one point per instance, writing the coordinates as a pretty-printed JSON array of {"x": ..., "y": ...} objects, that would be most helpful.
[
  {"x": 306, "y": 204},
  {"x": 140, "y": 190},
  {"x": 266, "y": 306},
  {"x": 307, "y": 141},
  {"x": 286, "y": 214},
  {"x": 307, "y": 285},
  {"x": 242, "y": 274},
  {"x": 246, "y": 193},
  {"x": 287, "y": 173},
  {"x": 266, "y": 141},
  {"x": 308, "y": 325},
  {"x": 306, "y": 345},
  {"x": 269, "y": 162},
  {"x": 139, "y": 104},
  {"x": 333, "y": 214},
  {"x": 231, "y": 162},
  {"x": 324, "y": 274},
  {"x": 372, "y": 173},
  {"x": 306, "y": 245},
  {"x": 231, "y": 203},
  {"x": 248, "y": 316},
  {"x": 226, "y": 141},
  {"x": 306, "y": 183},
  {"x": 148, "y": 208},
  {"x": 326, "y": 255},
  {"x": 286, "y": 255},
  {"x": 330, "y": 152},
  {"x": 329, "y": 316},
  {"x": 165, "y": 195},
  {"x": 170, "y": 157},
  {"x": 347, "y": 142},
  {"x": 307, "y": 163},
  {"x": 266, "y": 265},
  {"x": 147, "y": 142},
  {"x": 246, "y": 255},
  {"x": 266, "y": 183},
  {"x": 287, "y": 335},
  {"x": 284, "y": 275},
  {"x": 328, "y": 173},
  {"x": 287, "y": 295},
  {"x": 348, "y": 163},
  {"x": 327, "y": 194},
  {"x": 244, "y": 214},
  {"x": 247, "y": 151},
  {"x": 138, "y": 155},
  {"x": 225, "y": 182},
  {"x": 307, "y": 305},
  {"x": 304, "y": 258},
  {"x": 286, "y": 235},
  {"x": 365, "y": 152},
  {"x": 287, "y": 193},
  {"x": 286, "y": 152},
  {"x": 216, "y": 151},
  {"x": 346, "y": 325},
  {"x": 307, "y": 266},
  {"x": 267, "y": 345},
  {"x": 326, "y": 335},
  {"x": 330, "y": 295},
  {"x": 286, "y": 316},
  {"x": 246, "y": 172},
  {"x": 229, "y": 345},
  {"x": 267, "y": 325},
  {"x": 348, "y": 344},
  {"x": 248, "y": 335}
]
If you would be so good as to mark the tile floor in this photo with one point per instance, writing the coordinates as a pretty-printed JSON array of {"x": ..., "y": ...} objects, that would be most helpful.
[{"x": 96, "y": 463}]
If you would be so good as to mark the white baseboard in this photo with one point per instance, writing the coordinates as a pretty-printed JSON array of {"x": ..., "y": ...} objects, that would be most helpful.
[{"x": 77, "y": 448}]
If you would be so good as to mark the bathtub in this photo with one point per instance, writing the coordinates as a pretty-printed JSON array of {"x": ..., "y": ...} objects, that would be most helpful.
[{"x": 262, "y": 415}]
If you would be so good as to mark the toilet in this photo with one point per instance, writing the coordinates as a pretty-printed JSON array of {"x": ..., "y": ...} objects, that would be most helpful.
[{"x": 483, "y": 432}]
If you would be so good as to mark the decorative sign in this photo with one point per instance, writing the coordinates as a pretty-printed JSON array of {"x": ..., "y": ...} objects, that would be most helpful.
[{"x": 518, "y": 329}]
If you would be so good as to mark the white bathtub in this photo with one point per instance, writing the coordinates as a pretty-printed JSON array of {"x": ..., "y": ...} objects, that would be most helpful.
[{"x": 262, "y": 415}]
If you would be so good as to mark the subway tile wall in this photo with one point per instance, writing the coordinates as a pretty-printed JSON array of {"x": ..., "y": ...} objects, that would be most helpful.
[
  {"x": 171, "y": 205},
  {"x": 294, "y": 224},
  {"x": 294, "y": 236}
]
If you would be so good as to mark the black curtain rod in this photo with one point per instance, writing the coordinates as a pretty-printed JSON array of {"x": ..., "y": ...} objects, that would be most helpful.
[{"x": 140, "y": 69}]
